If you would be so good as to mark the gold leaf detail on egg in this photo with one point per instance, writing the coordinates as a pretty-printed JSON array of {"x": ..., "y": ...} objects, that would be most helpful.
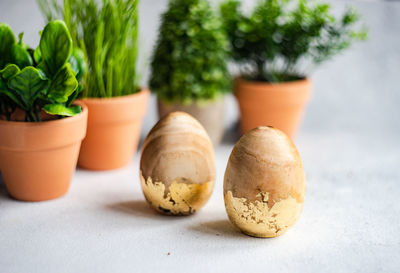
[
  {"x": 177, "y": 165},
  {"x": 258, "y": 219},
  {"x": 264, "y": 183},
  {"x": 180, "y": 198}
]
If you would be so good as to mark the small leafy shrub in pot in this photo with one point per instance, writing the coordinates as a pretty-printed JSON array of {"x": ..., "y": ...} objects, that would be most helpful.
[
  {"x": 277, "y": 39},
  {"x": 276, "y": 46},
  {"x": 188, "y": 66},
  {"x": 38, "y": 159}
]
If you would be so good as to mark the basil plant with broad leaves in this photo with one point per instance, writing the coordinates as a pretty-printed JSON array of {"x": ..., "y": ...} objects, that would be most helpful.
[{"x": 41, "y": 79}]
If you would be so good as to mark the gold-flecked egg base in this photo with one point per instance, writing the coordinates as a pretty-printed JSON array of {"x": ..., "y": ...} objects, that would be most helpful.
[
  {"x": 257, "y": 219},
  {"x": 179, "y": 198}
]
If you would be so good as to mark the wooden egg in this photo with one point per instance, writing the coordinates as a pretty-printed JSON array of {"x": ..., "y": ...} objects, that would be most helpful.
[
  {"x": 264, "y": 183},
  {"x": 177, "y": 166}
]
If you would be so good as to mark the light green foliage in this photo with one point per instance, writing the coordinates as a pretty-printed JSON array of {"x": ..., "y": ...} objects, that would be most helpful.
[
  {"x": 63, "y": 84},
  {"x": 40, "y": 79},
  {"x": 55, "y": 47},
  {"x": 78, "y": 64},
  {"x": 59, "y": 109},
  {"x": 280, "y": 36},
  {"x": 22, "y": 58},
  {"x": 106, "y": 33},
  {"x": 9, "y": 71},
  {"x": 189, "y": 59}
]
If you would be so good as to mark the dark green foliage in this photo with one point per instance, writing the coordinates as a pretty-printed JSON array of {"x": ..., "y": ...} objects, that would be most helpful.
[
  {"x": 106, "y": 33},
  {"x": 6, "y": 46},
  {"x": 40, "y": 79},
  {"x": 27, "y": 85},
  {"x": 189, "y": 61},
  {"x": 278, "y": 38}
]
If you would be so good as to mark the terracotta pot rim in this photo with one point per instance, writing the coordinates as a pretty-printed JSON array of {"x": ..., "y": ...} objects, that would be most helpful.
[
  {"x": 192, "y": 102},
  {"x": 48, "y": 122},
  {"x": 13, "y": 133},
  {"x": 119, "y": 99},
  {"x": 305, "y": 80},
  {"x": 117, "y": 110}
]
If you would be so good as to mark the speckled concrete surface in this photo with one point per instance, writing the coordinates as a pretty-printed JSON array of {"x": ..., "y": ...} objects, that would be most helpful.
[{"x": 350, "y": 147}]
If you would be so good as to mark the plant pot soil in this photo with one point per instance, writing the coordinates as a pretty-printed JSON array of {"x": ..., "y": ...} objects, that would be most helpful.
[
  {"x": 210, "y": 115},
  {"x": 38, "y": 159},
  {"x": 280, "y": 105},
  {"x": 113, "y": 131}
]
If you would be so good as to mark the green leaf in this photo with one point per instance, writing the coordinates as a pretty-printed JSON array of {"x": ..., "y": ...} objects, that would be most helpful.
[
  {"x": 21, "y": 43},
  {"x": 5, "y": 91},
  {"x": 7, "y": 40},
  {"x": 61, "y": 110},
  {"x": 9, "y": 71},
  {"x": 78, "y": 64},
  {"x": 8, "y": 93},
  {"x": 63, "y": 84},
  {"x": 55, "y": 46},
  {"x": 37, "y": 55},
  {"x": 28, "y": 84},
  {"x": 21, "y": 56},
  {"x": 73, "y": 97},
  {"x": 20, "y": 37}
]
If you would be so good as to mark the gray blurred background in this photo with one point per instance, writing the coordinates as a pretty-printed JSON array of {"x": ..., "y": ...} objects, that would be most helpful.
[
  {"x": 357, "y": 92},
  {"x": 350, "y": 147}
]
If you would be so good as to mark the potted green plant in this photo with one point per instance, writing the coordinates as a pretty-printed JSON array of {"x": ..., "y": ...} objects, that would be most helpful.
[
  {"x": 188, "y": 68},
  {"x": 40, "y": 128},
  {"x": 276, "y": 46},
  {"x": 107, "y": 33}
]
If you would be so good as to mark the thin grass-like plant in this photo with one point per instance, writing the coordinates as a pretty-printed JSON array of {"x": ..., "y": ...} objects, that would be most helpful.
[{"x": 107, "y": 32}]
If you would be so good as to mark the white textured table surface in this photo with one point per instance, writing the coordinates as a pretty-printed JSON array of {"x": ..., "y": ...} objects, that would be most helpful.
[
  {"x": 350, "y": 145},
  {"x": 350, "y": 221}
]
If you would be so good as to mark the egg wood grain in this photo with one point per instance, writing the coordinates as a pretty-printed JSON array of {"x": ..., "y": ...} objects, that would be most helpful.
[
  {"x": 264, "y": 183},
  {"x": 177, "y": 165}
]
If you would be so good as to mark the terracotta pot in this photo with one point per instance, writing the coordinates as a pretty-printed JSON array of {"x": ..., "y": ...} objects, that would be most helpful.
[
  {"x": 280, "y": 105},
  {"x": 209, "y": 114},
  {"x": 38, "y": 159},
  {"x": 113, "y": 131}
]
